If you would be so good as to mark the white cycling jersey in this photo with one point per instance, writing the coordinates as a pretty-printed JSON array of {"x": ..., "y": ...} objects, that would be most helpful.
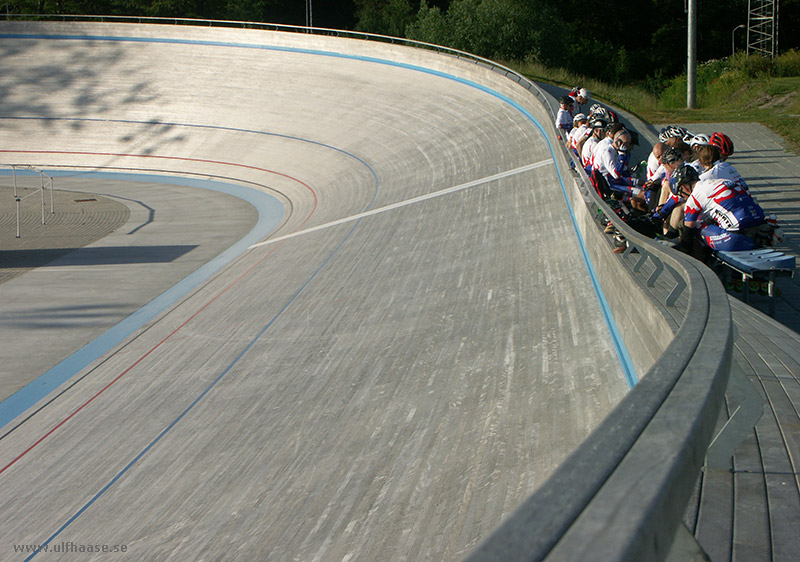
[
  {"x": 576, "y": 134},
  {"x": 601, "y": 145},
  {"x": 722, "y": 170},
  {"x": 588, "y": 150},
  {"x": 606, "y": 160},
  {"x": 563, "y": 120},
  {"x": 652, "y": 166}
]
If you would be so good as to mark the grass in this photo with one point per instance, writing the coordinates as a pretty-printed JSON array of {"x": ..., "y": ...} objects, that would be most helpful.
[{"x": 737, "y": 89}]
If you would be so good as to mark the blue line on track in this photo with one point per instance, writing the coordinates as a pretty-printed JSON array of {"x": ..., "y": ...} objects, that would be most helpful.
[
  {"x": 622, "y": 353},
  {"x": 174, "y": 422},
  {"x": 615, "y": 334},
  {"x": 270, "y": 213}
]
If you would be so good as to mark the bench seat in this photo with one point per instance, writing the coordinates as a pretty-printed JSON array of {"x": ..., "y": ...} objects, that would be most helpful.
[{"x": 762, "y": 264}]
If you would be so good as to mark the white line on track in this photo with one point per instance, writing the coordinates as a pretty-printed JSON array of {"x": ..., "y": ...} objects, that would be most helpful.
[{"x": 407, "y": 202}]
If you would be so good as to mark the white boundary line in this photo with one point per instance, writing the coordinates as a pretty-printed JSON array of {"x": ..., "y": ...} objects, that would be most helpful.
[{"x": 407, "y": 202}]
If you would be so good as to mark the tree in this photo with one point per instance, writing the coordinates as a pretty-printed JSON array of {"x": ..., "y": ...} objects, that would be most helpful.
[{"x": 384, "y": 17}]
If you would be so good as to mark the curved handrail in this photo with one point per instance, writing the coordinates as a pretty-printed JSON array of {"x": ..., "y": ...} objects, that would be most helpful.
[{"x": 620, "y": 494}]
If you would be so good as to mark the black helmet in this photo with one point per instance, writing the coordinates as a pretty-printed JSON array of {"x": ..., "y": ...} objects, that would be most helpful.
[
  {"x": 598, "y": 123},
  {"x": 600, "y": 112},
  {"x": 684, "y": 175},
  {"x": 671, "y": 155}
]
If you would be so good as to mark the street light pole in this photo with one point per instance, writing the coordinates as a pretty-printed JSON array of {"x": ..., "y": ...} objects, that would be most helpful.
[{"x": 733, "y": 37}]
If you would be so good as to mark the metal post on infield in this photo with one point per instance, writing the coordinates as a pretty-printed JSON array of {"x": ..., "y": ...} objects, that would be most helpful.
[
  {"x": 17, "y": 199},
  {"x": 42, "y": 178},
  {"x": 691, "y": 64}
]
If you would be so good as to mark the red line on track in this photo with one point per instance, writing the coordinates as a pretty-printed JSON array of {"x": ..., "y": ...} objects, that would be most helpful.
[
  {"x": 179, "y": 158},
  {"x": 192, "y": 317}
]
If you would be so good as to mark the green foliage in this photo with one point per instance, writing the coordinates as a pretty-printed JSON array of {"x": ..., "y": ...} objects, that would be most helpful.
[
  {"x": 498, "y": 29},
  {"x": 733, "y": 80},
  {"x": 384, "y": 17},
  {"x": 788, "y": 64},
  {"x": 753, "y": 66},
  {"x": 429, "y": 26},
  {"x": 674, "y": 95}
]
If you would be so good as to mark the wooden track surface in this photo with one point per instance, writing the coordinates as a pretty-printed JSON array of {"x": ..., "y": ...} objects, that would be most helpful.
[{"x": 385, "y": 388}]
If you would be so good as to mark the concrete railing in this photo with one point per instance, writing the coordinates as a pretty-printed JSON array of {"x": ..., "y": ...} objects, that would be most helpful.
[{"x": 621, "y": 494}]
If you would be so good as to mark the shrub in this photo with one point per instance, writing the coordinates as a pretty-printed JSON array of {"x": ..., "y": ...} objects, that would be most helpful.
[
  {"x": 788, "y": 64},
  {"x": 674, "y": 95},
  {"x": 753, "y": 65}
]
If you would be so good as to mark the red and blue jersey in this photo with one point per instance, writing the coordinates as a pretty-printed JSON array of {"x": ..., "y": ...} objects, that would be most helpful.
[
  {"x": 722, "y": 170},
  {"x": 724, "y": 203}
]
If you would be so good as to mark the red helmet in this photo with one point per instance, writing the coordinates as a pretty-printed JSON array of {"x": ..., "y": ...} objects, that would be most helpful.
[{"x": 723, "y": 142}]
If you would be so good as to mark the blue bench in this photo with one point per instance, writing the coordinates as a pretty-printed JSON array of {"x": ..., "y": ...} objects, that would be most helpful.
[{"x": 760, "y": 265}]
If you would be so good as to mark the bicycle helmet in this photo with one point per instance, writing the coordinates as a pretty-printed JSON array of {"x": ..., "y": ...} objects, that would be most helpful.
[
  {"x": 723, "y": 143},
  {"x": 672, "y": 132},
  {"x": 698, "y": 140},
  {"x": 595, "y": 107},
  {"x": 579, "y": 117},
  {"x": 612, "y": 117},
  {"x": 598, "y": 123},
  {"x": 671, "y": 155},
  {"x": 684, "y": 175},
  {"x": 680, "y": 132}
]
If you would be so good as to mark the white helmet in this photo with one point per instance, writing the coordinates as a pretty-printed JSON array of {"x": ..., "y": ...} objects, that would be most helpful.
[
  {"x": 584, "y": 93},
  {"x": 698, "y": 140}
]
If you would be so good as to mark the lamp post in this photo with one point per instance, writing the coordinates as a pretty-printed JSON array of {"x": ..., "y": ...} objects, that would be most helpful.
[
  {"x": 691, "y": 62},
  {"x": 733, "y": 37}
]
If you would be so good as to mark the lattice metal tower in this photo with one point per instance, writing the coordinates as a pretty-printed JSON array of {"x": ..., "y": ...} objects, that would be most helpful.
[{"x": 762, "y": 27}]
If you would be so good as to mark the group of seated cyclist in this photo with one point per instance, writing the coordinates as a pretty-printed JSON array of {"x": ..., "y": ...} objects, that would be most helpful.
[{"x": 687, "y": 190}]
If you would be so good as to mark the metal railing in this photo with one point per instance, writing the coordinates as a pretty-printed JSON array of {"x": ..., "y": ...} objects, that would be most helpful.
[{"x": 621, "y": 494}]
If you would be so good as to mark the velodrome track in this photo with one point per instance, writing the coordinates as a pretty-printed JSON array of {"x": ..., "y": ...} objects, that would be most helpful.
[{"x": 391, "y": 374}]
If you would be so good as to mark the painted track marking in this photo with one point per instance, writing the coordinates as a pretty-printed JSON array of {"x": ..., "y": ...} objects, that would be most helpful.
[{"x": 406, "y": 203}]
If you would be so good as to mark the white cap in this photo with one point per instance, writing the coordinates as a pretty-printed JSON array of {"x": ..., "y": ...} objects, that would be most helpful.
[{"x": 584, "y": 93}]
